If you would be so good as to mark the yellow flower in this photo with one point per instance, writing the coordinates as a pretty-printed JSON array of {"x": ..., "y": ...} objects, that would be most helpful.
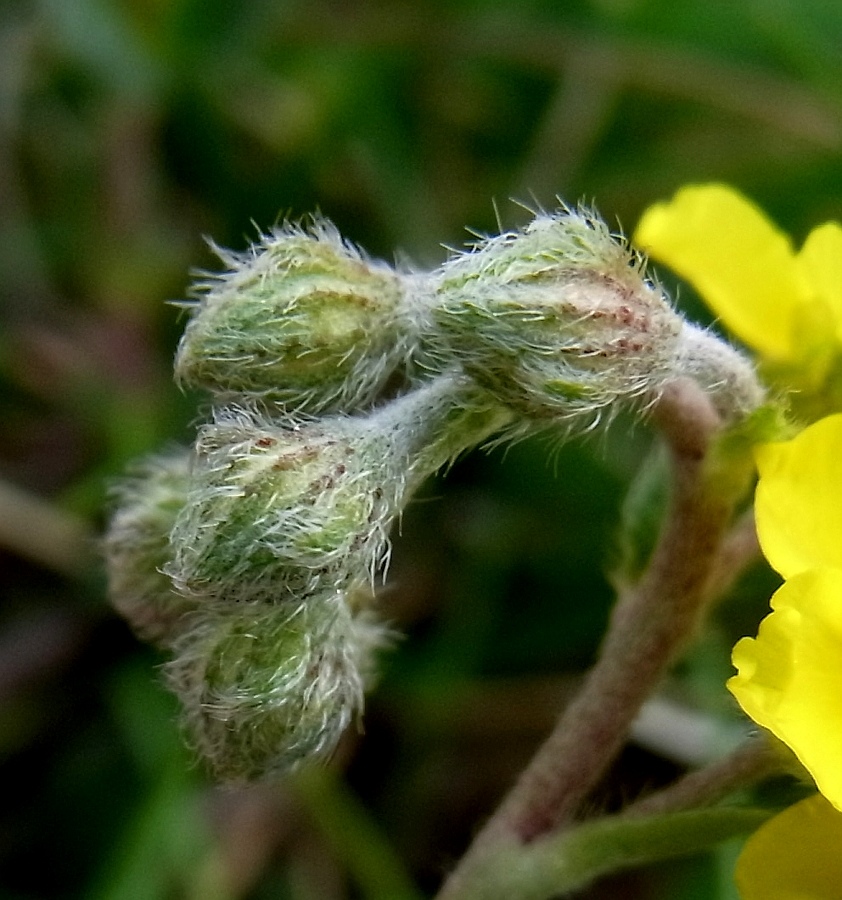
[
  {"x": 798, "y": 502},
  {"x": 768, "y": 869},
  {"x": 789, "y": 677},
  {"x": 787, "y": 305}
]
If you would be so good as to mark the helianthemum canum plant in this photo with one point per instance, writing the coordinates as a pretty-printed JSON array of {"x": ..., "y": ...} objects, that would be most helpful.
[{"x": 338, "y": 384}]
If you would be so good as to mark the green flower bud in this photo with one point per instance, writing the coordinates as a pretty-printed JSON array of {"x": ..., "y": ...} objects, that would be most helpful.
[
  {"x": 265, "y": 687},
  {"x": 274, "y": 513},
  {"x": 137, "y": 548},
  {"x": 555, "y": 320},
  {"x": 303, "y": 320},
  {"x": 277, "y": 513}
]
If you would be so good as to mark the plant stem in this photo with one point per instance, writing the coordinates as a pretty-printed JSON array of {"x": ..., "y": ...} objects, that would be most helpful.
[
  {"x": 740, "y": 549},
  {"x": 563, "y": 862},
  {"x": 749, "y": 764},
  {"x": 43, "y": 533},
  {"x": 357, "y": 842},
  {"x": 651, "y": 622}
]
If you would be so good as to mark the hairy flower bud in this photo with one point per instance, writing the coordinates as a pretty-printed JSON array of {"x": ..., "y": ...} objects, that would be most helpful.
[
  {"x": 276, "y": 513},
  {"x": 554, "y": 320},
  {"x": 303, "y": 320},
  {"x": 137, "y": 548},
  {"x": 266, "y": 686}
]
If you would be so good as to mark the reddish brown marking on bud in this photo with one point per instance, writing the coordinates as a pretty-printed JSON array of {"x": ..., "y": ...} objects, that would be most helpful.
[
  {"x": 626, "y": 345},
  {"x": 625, "y": 315},
  {"x": 323, "y": 483},
  {"x": 291, "y": 460}
]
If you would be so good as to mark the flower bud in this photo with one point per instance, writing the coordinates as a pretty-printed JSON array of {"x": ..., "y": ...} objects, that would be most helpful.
[
  {"x": 302, "y": 319},
  {"x": 275, "y": 512},
  {"x": 137, "y": 547},
  {"x": 266, "y": 686},
  {"x": 555, "y": 320}
]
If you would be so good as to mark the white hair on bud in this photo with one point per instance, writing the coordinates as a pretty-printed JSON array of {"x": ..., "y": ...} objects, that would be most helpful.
[
  {"x": 136, "y": 545},
  {"x": 264, "y": 687},
  {"x": 557, "y": 321},
  {"x": 273, "y": 513},
  {"x": 303, "y": 319}
]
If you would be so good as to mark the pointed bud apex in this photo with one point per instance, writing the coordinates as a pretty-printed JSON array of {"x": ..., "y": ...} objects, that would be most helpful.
[
  {"x": 303, "y": 320},
  {"x": 267, "y": 686},
  {"x": 555, "y": 320},
  {"x": 137, "y": 547}
]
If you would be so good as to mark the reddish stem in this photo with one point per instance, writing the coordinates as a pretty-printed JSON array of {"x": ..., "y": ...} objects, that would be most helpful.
[{"x": 651, "y": 622}]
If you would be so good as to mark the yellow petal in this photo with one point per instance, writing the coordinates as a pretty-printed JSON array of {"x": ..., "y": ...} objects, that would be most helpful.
[
  {"x": 789, "y": 677},
  {"x": 798, "y": 503},
  {"x": 820, "y": 261},
  {"x": 797, "y": 855},
  {"x": 739, "y": 262}
]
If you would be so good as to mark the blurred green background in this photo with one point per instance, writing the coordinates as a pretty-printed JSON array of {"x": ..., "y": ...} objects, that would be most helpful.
[{"x": 130, "y": 129}]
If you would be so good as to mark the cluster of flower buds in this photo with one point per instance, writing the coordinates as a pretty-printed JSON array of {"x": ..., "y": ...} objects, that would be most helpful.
[
  {"x": 252, "y": 558},
  {"x": 253, "y": 562}
]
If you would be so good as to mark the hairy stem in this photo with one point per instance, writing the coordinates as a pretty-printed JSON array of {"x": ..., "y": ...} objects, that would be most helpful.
[
  {"x": 651, "y": 622},
  {"x": 749, "y": 764},
  {"x": 563, "y": 862},
  {"x": 740, "y": 549}
]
